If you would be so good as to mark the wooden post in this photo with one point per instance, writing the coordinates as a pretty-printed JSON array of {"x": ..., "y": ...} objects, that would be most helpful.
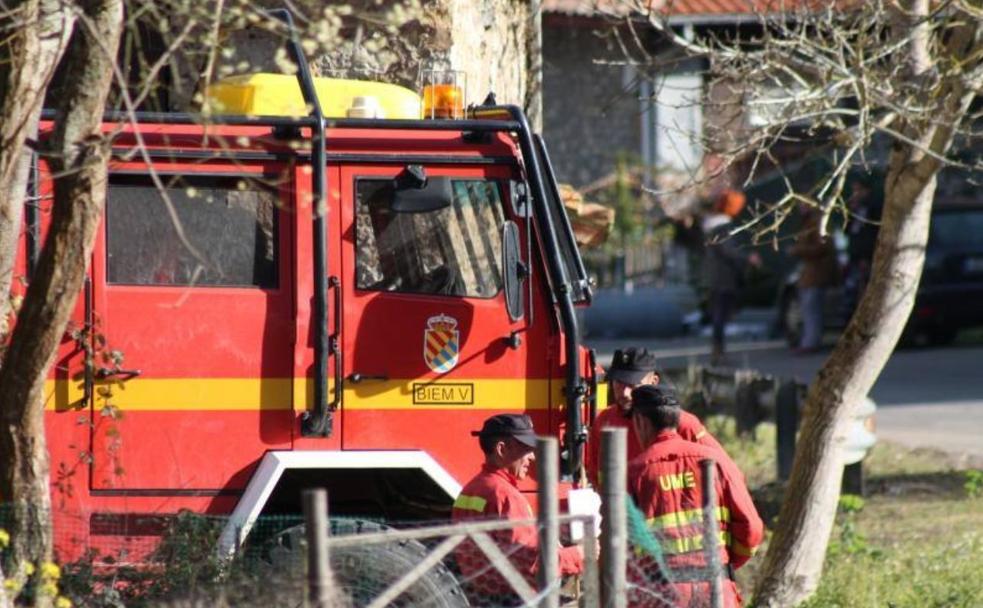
[
  {"x": 711, "y": 531},
  {"x": 614, "y": 518},
  {"x": 316, "y": 523},
  {"x": 786, "y": 425},
  {"x": 547, "y": 472},
  {"x": 591, "y": 597}
]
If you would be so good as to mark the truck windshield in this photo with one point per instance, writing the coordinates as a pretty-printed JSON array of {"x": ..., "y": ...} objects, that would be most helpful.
[{"x": 454, "y": 251}]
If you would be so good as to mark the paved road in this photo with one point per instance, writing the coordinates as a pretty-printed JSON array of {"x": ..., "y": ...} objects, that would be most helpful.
[{"x": 927, "y": 397}]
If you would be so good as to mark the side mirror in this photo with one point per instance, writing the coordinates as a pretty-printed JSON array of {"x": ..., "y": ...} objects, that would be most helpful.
[
  {"x": 514, "y": 270},
  {"x": 414, "y": 192}
]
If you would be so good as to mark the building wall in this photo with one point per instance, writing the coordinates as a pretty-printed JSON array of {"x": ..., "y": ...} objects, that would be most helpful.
[{"x": 591, "y": 111}]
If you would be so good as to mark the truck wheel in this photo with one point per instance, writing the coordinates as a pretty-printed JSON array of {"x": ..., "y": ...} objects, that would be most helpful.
[{"x": 362, "y": 573}]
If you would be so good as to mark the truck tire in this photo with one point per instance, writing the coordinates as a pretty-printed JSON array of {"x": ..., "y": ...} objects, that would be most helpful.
[{"x": 363, "y": 572}]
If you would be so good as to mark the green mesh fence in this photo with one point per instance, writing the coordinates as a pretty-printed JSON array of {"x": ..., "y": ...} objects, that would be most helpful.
[
  {"x": 668, "y": 565},
  {"x": 134, "y": 560}
]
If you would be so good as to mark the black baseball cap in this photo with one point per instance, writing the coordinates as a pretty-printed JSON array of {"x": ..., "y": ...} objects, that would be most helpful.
[
  {"x": 648, "y": 396},
  {"x": 631, "y": 365},
  {"x": 516, "y": 426}
]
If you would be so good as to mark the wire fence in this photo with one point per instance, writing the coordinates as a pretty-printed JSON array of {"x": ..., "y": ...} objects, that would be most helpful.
[
  {"x": 372, "y": 564},
  {"x": 122, "y": 560}
]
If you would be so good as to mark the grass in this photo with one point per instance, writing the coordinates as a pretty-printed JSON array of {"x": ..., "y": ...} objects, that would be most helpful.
[{"x": 916, "y": 539}]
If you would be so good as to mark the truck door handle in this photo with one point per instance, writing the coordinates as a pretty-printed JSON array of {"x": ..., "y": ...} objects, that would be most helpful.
[
  {"x": 114, "y": 372},
  {"x": 356, "y": 377}
]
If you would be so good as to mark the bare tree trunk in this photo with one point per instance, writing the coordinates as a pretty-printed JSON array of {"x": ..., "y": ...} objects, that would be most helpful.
[
  {"x": 533, "y": 103},
  {"x": 78, "y": 155},
  {"x": 33, "y": 43},
  {"x": 795, "y": 558}
]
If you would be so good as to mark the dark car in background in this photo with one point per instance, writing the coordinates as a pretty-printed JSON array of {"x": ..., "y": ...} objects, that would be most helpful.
[{"x": 950, "y": 294}]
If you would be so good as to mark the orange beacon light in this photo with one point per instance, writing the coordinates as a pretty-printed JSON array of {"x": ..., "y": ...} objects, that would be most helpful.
[
  {"x": 443, "y": 95},
  {"x": 443, "y": 101}
]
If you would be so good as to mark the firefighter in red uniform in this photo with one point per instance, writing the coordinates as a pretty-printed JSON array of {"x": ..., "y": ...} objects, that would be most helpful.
[
  {"x": 665, "y": 483},
  {"x": 507, "y": 441},
  {"x": 631, "y": 368}
]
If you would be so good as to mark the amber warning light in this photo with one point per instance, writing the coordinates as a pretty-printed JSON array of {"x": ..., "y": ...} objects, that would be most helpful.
[{"x": 443, "y": 94}]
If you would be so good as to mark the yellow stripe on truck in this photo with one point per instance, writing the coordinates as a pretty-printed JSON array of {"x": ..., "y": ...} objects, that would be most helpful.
[
  {"x": 229, "y": 394},
  {"x": 177, "y": 394}
]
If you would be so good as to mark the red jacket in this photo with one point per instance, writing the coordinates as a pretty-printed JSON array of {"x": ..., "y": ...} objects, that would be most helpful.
[
  {"x": 690, "y": 428},
  {"x": 665, "y": 483},
  {"x": 493, "y": 494}
]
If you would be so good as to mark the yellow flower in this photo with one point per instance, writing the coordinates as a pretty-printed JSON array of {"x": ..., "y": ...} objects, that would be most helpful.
[
  {"x": 28, "y": 568},
  {"x": 4, "y": 538},
  {"x": 49, "y": 589},
  {"x": 63, "y": 602},
  {"x": 11, "y": 585},
  {"x": 50, "y": 570}
]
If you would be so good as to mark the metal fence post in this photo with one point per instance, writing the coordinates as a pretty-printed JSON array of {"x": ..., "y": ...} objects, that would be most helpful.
[
  {"x": 614, "y": 514},
  {"x": 854, "y": 480},
  {"x": 316, "y": 522},
  {"x": 786, "y": 425},
  {"x": 745, "y": 402},
  {"x": 711, "y": 531},
  {"x": 547, "y": 463}
]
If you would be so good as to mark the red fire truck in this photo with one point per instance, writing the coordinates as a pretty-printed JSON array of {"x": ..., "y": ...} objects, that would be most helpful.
[{"x": 280, "y": 302}]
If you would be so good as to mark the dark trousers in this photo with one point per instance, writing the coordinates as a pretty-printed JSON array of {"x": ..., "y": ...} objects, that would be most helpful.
[{"x": 722, "y": 306}]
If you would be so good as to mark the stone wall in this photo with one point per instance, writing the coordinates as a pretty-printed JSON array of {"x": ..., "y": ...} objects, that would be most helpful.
[
  {"x": 591, "y": 112},
  {"x": 390, "y": 42}
]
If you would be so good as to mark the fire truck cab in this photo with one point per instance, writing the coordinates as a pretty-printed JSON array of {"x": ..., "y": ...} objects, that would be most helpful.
[{"x": 280, "y": 302}]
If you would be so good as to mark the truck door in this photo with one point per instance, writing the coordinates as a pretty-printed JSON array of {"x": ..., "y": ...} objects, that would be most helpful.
[
  {"x": 193, "y": 328},
  {"x": 429, "y": 349}
]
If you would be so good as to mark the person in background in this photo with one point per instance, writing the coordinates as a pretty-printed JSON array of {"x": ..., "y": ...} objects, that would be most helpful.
[
  {"x": 665, "y": 481},
  {"x": 631, "y": 368},
  {"x": 818, "y": 272},
  {"x": 508, "y": 441},
  {"x": 724, "y": 266}
]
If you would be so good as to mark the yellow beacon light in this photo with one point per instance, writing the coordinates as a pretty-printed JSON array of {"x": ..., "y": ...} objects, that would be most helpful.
[{"x": 443, "y": 95}]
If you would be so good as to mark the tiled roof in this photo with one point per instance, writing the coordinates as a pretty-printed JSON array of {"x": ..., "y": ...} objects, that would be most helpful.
[{"x": 674, "y": 7}]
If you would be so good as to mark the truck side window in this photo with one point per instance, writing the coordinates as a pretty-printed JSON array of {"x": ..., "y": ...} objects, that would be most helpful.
[
  {"x": 455, "y": 251},
  {"x": 229, "y": 223}
]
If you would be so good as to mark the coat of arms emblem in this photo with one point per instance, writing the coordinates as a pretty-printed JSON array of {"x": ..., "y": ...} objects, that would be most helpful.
[{"x": 440, "y": 343}]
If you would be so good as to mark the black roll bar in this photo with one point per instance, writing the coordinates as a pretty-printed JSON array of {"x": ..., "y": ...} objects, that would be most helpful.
[
  {"x": 31, "y": 215},
  {"x": 582, "y": 278},
  {"x": 574, "y": 389},
  {"x": 320, "y": 422}
]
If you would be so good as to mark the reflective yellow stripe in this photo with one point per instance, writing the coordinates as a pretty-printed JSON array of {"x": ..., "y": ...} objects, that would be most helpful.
[
  {"x": 678, "y": 519},
  {"x": 685, "y": 544},
  {"x": 167, "y": 394},
  {"x": 740, "y": 549},
  {"x": 470, "y": 503},
  {"x": 175, "y": 394},
  {"x": 487, "y": 394}
]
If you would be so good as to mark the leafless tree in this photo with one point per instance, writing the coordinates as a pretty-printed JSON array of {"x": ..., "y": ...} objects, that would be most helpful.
[
  {"x": 840, "y": 75},
  {"x": 81, "y": 40},
  {"x": 39, "y": 31}
]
